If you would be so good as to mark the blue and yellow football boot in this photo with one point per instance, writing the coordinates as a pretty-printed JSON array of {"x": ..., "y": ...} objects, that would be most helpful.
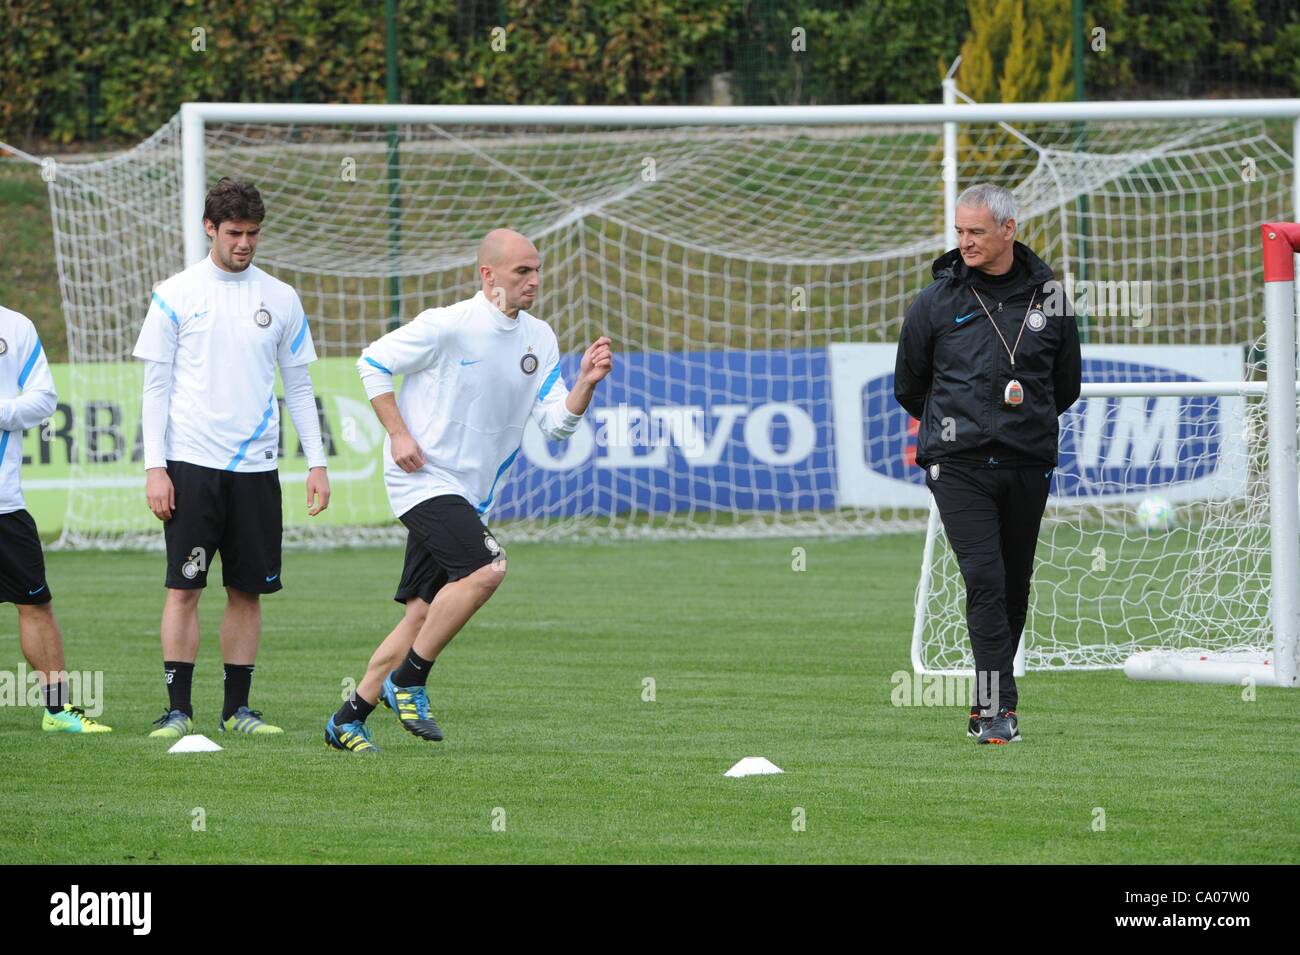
[
  {"x": 411, "y": 704},
  {"x": 351, "y": 737}
]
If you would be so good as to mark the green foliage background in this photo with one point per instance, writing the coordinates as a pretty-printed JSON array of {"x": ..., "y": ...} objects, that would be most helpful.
[{"x": 81, "y": 70}]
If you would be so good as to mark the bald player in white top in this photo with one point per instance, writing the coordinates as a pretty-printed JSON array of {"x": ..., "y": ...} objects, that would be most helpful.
[{"x": 475, "y": 373}]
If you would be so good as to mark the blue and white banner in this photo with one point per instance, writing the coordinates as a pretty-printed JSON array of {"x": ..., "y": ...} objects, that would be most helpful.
[
  {"x": 681, "y": 431},
  {"x": 1113, "y": 448},
  {"x": 815, "y": 429}
]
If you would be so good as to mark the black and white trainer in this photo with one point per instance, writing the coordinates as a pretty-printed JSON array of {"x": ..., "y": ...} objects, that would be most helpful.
[{"x": 1001, "y": 729}]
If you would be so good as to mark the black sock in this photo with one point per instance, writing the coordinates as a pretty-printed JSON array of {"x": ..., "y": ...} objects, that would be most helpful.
[
  {"x": 56, "y": 694},
  {"x": 180, "y": 676},
  {"x": 239, "y": 678},
  {"x": 414, "y": 670},
  {"x": 354, "y": 709}
]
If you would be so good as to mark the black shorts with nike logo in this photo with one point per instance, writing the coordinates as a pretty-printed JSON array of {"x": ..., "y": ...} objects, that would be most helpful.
[
  {"x": 22, "y": 562},
  {"x": 234, "y": 513},
  {"x": 445, "y": 541}
]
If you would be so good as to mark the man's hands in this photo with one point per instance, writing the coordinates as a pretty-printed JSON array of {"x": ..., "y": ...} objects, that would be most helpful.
[
  {"x": 406, "y": 452},
  {"x": 160, "y": 494},
  {"x": 597, "y": 360},
  {"x": 318, "y": 488}
]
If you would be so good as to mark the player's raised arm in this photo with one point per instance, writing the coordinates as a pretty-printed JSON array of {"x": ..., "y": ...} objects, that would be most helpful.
[
  {"x": 597, "y": 361},
  {"x": 558, "y": 410}
]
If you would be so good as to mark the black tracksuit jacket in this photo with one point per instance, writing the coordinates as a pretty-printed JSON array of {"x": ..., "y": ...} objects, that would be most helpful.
[{"x": 951, "y": 364}]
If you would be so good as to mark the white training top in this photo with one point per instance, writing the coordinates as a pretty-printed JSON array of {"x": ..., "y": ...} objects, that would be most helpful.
[
  {"x": 224, "y": 333},
  {"x": 27, "y": 398},
  {"x": 474, "y": 376}
]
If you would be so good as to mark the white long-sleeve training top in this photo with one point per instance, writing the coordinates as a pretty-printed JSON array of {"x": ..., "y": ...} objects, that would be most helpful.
[
  {"x": 27, "y": 398},
  {"x": 213, "y": 340},
  {"x": 473, "y": 377}
]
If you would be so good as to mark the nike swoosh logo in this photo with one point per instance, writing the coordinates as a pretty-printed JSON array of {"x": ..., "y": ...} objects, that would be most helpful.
[
  {"x": 33, "y": 593},
  {"x": 475, "y": 362},
  {"x": 961, "y": 318},
  {"x": 271, "y": 578},
  {"x": 199, "y": 314}
]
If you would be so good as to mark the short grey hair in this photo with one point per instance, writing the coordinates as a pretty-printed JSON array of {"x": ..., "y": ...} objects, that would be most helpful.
[{"x": 998, "y": 201}]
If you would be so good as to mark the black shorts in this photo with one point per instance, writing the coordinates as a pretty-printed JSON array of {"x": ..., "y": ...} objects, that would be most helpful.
[
  {"x": 226, "y": 512},
  {"x": 22, "y": 562},
  {"x": 445, "y": 541}
]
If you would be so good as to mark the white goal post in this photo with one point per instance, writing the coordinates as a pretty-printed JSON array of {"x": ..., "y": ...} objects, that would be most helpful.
[
  {"x": 753, "y": 265},
  {"x": 1276, "y": 665}
]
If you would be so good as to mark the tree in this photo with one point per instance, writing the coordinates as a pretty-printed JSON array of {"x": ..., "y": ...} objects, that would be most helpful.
[{"x": 1015, "y": 52}]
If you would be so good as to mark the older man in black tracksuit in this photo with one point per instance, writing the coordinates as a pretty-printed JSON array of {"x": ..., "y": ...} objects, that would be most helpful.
[{"x": 987, "y": 369}]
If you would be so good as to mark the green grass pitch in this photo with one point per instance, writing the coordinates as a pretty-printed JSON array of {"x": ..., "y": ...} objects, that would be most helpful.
[{"x": 547, "y": 731}]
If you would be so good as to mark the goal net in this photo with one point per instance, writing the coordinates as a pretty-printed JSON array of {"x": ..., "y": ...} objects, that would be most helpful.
[
  {"x": 1158, "y": 539},
  {"x": 753, "y": 276}
]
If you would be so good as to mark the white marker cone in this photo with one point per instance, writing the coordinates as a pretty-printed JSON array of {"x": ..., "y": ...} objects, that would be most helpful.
[
  {"x": 753, "y": 766},
  {"x": 194, "y": 743}
]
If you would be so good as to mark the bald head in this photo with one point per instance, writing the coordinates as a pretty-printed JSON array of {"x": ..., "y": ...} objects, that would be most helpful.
[
  {"x": 501, "y": 244},
  {"x": 509, "y": 266}
]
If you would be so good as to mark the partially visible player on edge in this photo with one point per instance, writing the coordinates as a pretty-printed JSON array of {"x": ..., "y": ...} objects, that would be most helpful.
[
  {"x": 26, "y": 399},
  {"x": 475, "y": 373},
  {"x": 211, "y": 342}
]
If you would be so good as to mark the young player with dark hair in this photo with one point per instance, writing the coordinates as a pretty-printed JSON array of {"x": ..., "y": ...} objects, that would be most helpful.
[{"x": 211, "y": 342}]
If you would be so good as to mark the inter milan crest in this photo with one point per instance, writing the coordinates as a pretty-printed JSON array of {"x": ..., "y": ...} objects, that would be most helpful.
[
  {"x": 197, "y": 561},
  {"x": 262, "y": 317},
  {"x": 529, "y": 362},
  {"x": 4, "y": 346},
  {"x": 1036, "y": 320}
]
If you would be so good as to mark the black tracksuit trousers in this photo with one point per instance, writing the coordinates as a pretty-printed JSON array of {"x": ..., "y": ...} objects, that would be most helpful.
[{"x": 991, "y": 516}]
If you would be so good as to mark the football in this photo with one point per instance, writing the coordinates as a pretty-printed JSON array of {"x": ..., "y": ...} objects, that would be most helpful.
[{"x": 1155, "y": 513}]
